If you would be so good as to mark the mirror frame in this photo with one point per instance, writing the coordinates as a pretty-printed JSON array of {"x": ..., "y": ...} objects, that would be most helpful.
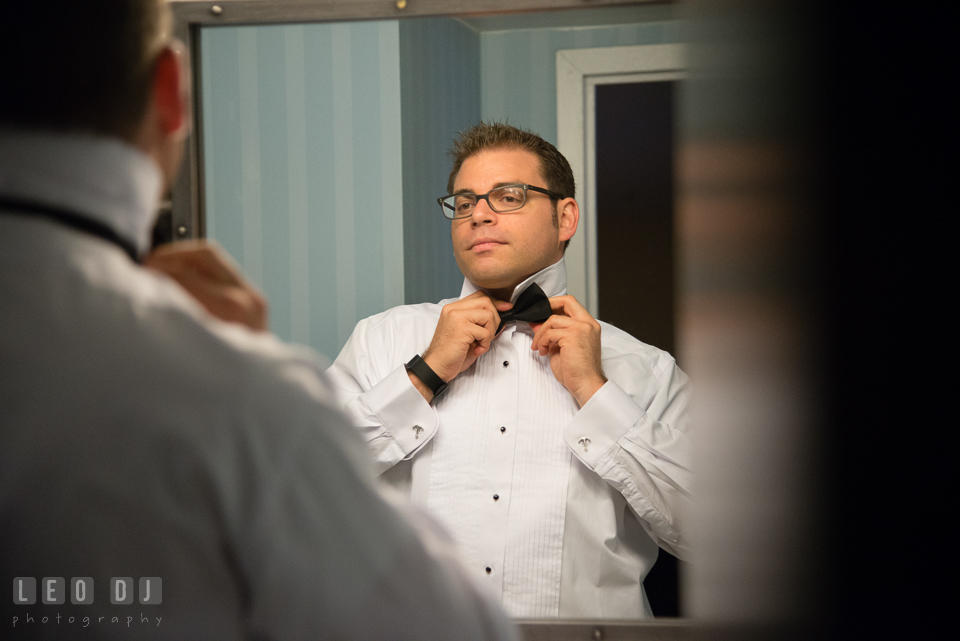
[{"x": 187, "y": 195}]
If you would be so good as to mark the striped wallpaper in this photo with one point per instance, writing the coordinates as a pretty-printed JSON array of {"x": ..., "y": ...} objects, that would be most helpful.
[
  {"x": 303, "y": 180},
  {"x": 440, "y": 72}
]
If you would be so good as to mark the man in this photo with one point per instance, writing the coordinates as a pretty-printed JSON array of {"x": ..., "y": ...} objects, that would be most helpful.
[
  {"x": 553, "y": 447},
  {"x": 189, "y": 469}
]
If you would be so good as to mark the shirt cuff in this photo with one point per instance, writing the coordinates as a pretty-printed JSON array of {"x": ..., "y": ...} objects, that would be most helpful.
[
  {"x": 403, "y": 411},
  {"x": 600, "y": 423}
]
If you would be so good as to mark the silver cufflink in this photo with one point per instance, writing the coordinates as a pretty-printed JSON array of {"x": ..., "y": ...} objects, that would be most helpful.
[
  {"x": 584, "y": 442},
  {"x": 417, "y": 429}
]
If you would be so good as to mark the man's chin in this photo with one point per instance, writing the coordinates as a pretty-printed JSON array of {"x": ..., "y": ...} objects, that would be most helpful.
[
  {"x": 491, "y": 280},
  {"x": 490, "y": 273},
  {"x": 499, "y": 283}
]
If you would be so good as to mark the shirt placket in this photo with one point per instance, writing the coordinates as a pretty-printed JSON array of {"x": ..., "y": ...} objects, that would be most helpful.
[{"x": 500, "y": 449}]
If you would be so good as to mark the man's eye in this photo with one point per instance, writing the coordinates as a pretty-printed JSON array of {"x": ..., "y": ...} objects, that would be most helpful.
[{"x": 508, "y": 198}]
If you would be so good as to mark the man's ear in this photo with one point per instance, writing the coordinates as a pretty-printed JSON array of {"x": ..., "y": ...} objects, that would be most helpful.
[
  {"x": 568, "y": 214},
  {"x": 171, "y": 91}
]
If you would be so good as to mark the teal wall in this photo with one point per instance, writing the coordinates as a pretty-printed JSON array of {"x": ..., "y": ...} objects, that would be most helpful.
[
  {"x": 303, "y": 180},
  {"x": 519, "y": 66},
  {"x": 440, "y": 86}
]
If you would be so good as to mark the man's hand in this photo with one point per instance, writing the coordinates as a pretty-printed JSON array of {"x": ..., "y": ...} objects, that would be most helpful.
[
  {"x": 209, "y": 275},
  {"x": 571, "y": 338},
  {"x": 464, "y": 332}
]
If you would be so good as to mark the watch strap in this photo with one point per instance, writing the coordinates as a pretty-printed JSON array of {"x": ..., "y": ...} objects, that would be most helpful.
[{"x": 429, "y": 378}]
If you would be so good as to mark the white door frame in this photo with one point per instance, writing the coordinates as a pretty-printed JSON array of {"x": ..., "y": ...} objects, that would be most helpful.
[{"x": 578, "y": 73}]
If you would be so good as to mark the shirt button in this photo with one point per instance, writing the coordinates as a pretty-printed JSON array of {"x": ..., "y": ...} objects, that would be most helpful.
[
  {"x": 506, "y": 363},
  {"x": 502, "y": 430},
  {"x": 489, "y": 570},
  {"x": 496, "y": 497}
]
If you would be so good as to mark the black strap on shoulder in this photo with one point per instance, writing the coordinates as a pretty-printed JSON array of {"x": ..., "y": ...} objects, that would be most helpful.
[{"x": 16, "y": 207}]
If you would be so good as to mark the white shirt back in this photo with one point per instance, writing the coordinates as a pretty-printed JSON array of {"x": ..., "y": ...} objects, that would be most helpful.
[{"x": 139, "y": 437}]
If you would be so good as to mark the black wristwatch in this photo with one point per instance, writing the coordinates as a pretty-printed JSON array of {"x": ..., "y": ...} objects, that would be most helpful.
[{"x": 429, "y": 378}]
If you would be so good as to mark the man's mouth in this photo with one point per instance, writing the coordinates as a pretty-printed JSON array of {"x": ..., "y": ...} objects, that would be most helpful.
[{"x": 482, "y": 244}]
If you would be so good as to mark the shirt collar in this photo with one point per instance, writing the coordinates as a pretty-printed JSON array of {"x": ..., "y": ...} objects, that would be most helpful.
[
  {"x": 552, "y": 280},
  {"x": 101, "y": 178}
]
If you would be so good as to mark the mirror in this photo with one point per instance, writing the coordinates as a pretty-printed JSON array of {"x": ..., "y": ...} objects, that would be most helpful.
[{"x": 320, "y": 139}]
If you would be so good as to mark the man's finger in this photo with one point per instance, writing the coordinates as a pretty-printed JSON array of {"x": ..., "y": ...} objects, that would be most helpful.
[
  {"x": 208, "y": 275},
  {"x": 482, "y": 300},
  {"x": 550, "y": 341},
  {"x": 481, "y": 347},
  {"x": 494, "y": 305},
  {"x": 231, "y": 304},
  {"x": 481, "y": 334},
  {"x": 216, "y": 265},
  {"x": 539, "y": 331},
  {"x": 482, "y": 317},
  {"x": 554, "y": 322},
  {"x": 569, "y": 306},
  {"x": 477, "y": 294},
  {"x": 549, "y": 337},
  {"x": 199, "y": 256}
]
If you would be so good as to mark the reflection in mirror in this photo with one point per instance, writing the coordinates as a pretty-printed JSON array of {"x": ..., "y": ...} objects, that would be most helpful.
[
  {"x": 325, "y": 146},
  {"x": 324, "y": 150}
]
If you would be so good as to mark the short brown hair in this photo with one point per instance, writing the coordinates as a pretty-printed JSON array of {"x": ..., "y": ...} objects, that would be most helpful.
[
  {"x": 553, "y": 166},
  {"x": 79, "y": 65}
]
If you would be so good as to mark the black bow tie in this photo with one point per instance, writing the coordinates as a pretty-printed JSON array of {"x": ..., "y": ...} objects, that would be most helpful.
[{"x": 532, "y": 306}]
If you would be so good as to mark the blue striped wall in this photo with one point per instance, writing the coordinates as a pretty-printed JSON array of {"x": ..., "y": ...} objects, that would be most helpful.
[
  {"x": 440, "y": 85},
  {"x": 302, "y": 151}
]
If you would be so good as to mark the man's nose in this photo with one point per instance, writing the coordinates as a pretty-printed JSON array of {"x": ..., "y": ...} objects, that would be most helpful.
[{"x": 482, "y": 214}]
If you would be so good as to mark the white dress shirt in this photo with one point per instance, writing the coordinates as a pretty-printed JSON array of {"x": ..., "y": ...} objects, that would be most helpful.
[
  {"x": 140, "y": 437},
  {"x": 560, "y": 509}
]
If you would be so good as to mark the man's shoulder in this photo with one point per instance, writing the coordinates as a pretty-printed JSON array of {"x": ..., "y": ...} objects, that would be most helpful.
[
  {"x": 226, "y": 354},
  {"x": 115, "y": 330},
  {"x": 118, "y": 309},
  {"x": 619, "y": 346},
  {"x": 613, "y": 336},
  {"x": 393, "y": 335},
  {"x": 405, "y": 314}
]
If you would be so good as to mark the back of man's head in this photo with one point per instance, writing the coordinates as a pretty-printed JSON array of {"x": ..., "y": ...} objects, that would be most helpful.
[{"x": 79, "y": 65}]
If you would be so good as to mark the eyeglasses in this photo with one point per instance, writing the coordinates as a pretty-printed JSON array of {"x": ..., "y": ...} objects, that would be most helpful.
[{"x": 501, "y": 200}]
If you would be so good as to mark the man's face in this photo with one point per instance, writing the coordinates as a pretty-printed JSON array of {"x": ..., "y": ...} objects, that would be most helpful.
[{"x": 498, "y": 251}]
